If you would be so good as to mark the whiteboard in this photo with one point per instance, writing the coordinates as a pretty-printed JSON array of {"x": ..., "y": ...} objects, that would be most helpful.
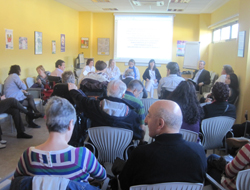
[{"x": 191, "y": 55}]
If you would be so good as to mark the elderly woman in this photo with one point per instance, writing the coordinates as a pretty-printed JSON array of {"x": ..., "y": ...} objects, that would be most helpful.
[
  {"x": 55, "y": 157},
  {"x": 15, "y": 88},
  {"x": 42, "y": 77},
  {"x": 113, "y": 71}
]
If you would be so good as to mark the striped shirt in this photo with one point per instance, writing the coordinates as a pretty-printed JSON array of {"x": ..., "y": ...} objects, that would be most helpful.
[
  {"x": 76, "y": 164},
  {"x": 239, "y": 163},
  {"x": 139, "y": 107}
]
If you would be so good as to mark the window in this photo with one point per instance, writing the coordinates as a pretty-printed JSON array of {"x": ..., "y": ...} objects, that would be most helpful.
[
  {"x": 227, "y": 32},
  {"x": 235, "y": 30}
]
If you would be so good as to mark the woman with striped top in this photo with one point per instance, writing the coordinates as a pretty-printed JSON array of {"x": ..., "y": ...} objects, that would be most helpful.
[{"x": 55, "y": 157}]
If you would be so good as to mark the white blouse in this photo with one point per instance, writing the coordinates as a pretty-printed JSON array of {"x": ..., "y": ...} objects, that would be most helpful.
[{"x": 113, "y": 74}]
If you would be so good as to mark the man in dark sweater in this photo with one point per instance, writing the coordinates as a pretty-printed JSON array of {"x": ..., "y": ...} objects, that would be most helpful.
[
  {"x": 169, "y": 158},
  {"x": 109, "y": 111}
]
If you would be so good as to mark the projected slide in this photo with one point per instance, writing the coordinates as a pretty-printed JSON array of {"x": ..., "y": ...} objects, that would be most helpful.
[{"x": 143, "y": 38}]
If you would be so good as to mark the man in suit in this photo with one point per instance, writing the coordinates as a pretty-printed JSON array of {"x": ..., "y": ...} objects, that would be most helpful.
[
  {"x": 169, "y": 158},
  {"x": 201, "y": 76}
]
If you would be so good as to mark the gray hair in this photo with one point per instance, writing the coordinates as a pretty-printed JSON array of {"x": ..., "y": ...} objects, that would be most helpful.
[
  {"x": 68, "y": 77},
  {"x": 228, "y": 69},
  {"x": 129, "y": 72},
  {"x": 116, "y": 88},
  {"x": 59, "y": 112},
  {"x": 170, "y": 119},
  {"x": 135, "y": 85},
  {"x": 204, "y": 63}
]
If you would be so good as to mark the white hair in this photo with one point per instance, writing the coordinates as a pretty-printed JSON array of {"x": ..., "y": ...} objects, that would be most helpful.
[{"x": 116, "y": 88}]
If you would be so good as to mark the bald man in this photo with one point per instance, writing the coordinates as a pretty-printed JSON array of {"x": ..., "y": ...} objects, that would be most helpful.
[{"x": 169, "y": 158}]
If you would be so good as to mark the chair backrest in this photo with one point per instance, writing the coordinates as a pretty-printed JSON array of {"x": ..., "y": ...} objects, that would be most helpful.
[
  {"x": 169, "y": 186},
  {"x": 164, "y": 93},
  {"x": 243, "y": 180},
  {"x": 30, "y": 81},
  {"x": 188, "y": 135},
  {"x": 147, "y": 102},
  {"x": 110, "y": 142},
  {"x": 214, "y": 129},
  {"x": 54, "y": 80},
  {"x": 62, "y": 91}
]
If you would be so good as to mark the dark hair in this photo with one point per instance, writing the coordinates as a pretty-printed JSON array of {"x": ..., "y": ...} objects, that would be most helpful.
[
  {"x": 131, "y": 60},
  {"x": 89, "y": 60},
  {"x": 135, "y": 84},
  {"x": 59, "y": 62},
  {"x": 15, "y": 69},
  {"x": 228, "y": 69},
  {"x": 204, "y": 63},
  {"x": 173, "y": 67},
  {"x": 234, "y": 84},
  {"x": 100, "y": 65},
  {"x": 185, "y": 96},
  {"x": 151, "y": 60},
  {"x": 220, "y": 91}
]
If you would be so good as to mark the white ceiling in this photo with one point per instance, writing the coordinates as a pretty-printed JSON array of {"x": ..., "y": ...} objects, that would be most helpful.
[{"x": 126, "y": 6}]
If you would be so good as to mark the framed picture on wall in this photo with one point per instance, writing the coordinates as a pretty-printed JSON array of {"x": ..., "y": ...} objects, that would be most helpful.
[
  {"x": 103, "y": 46},
  {"x": 38, "y": 43}
]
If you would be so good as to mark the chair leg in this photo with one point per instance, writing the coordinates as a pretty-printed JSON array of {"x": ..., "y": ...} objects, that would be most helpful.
[{"x": 11, "y": 124}]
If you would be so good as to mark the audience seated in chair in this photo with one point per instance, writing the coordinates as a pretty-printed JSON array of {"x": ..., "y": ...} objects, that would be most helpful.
[
  {"x": 15, "y": 88},
  {"x": 132, "y": 93},
  {"x": 172, "y": 80},
  {"x": 169, "y": 158},
  {"x": 42, "y": 78},
  {"x": 55, "y": 157},
  {"x": 111, "y": 110},
  {"x": 60, "y": 66},
  {"x": 185, "y": 96},
  {"x": 95, "y": 83},
  {"x": 233, "y": 83},
  {"x": 13, "y": 107},
  {"x": 231, "y": 170},
  {"x": 201, "y": 77},
  {"x": 220, "y": 106},
  {"x": 129, "y": 76}
]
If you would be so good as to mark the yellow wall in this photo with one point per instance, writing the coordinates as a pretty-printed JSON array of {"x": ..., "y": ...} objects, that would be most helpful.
[
  {"x": 101, "y": 25},
  {"x": 46, "y": 16}
]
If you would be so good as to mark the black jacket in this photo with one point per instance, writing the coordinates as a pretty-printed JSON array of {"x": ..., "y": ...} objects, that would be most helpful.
[
  {"x": 219, "y": 109},
  {"x": 204, "y": 77},
  {"x": 92, "y": 110},
  {"x": 146, "y": 76}
]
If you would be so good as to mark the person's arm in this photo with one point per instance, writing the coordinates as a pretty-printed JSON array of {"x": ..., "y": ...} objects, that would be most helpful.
[
  {"x": 20, "y": 84},
  {"x": 21, "y": 168},
  {"x": 207, "y": 78},
  {"x": 145, "y": 75},
  {"x": 93, "y": 167},
  {"x": 159, "y": 87},
  {"x": 158, "y": 75},
  {"x": 241, "y": 160},
  {"x": 137, "y": 73},
  {"x": 117, "y": 73}
]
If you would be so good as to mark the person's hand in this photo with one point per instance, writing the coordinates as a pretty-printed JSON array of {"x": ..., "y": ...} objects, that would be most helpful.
[
  {"x": 201, "y": 83},
  {"x": 208, "y": 100},
  {"x": 72, "y": 86},
  {"x": 39, "y": 81},
  {"x": 155, "y": 80},
  {"x": 147, "y": 79},
  {"x": 3, "y": 97}
]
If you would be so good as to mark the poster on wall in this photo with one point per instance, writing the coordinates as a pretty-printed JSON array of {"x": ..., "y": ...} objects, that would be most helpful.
[
  {"x": 62, "y": 42},
  {"x": 103, "y": 46},
  {"x": 84, "y": 42},
  {"x": 241, "y": 43},
  {"x": 38, "y": 43},
  {"x": 23, "y": 43},
  {"x": 180, "y": 48},
  {"x": 53, "y": 47},
  {"x": 9, "y": 39}
]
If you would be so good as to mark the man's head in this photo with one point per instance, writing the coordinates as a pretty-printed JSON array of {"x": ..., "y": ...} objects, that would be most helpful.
[
  {"x": 201, "y": 64},
  {"x": 100, "y": 66},
  {"x": 136, "y": 87},
  {"x": 164, "y": 116},
  {"x": 129, "y": 73},
  {"x": 220, "y": 92},
  {"x": 60, "y": 64},
  {"x": 68, "y": 77},
  {"x": 60, "y": 116},
  {"x": 172, "y": 68},
  {"x": 227, "y": 69},
  {"x": 116, "y": 89}
]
